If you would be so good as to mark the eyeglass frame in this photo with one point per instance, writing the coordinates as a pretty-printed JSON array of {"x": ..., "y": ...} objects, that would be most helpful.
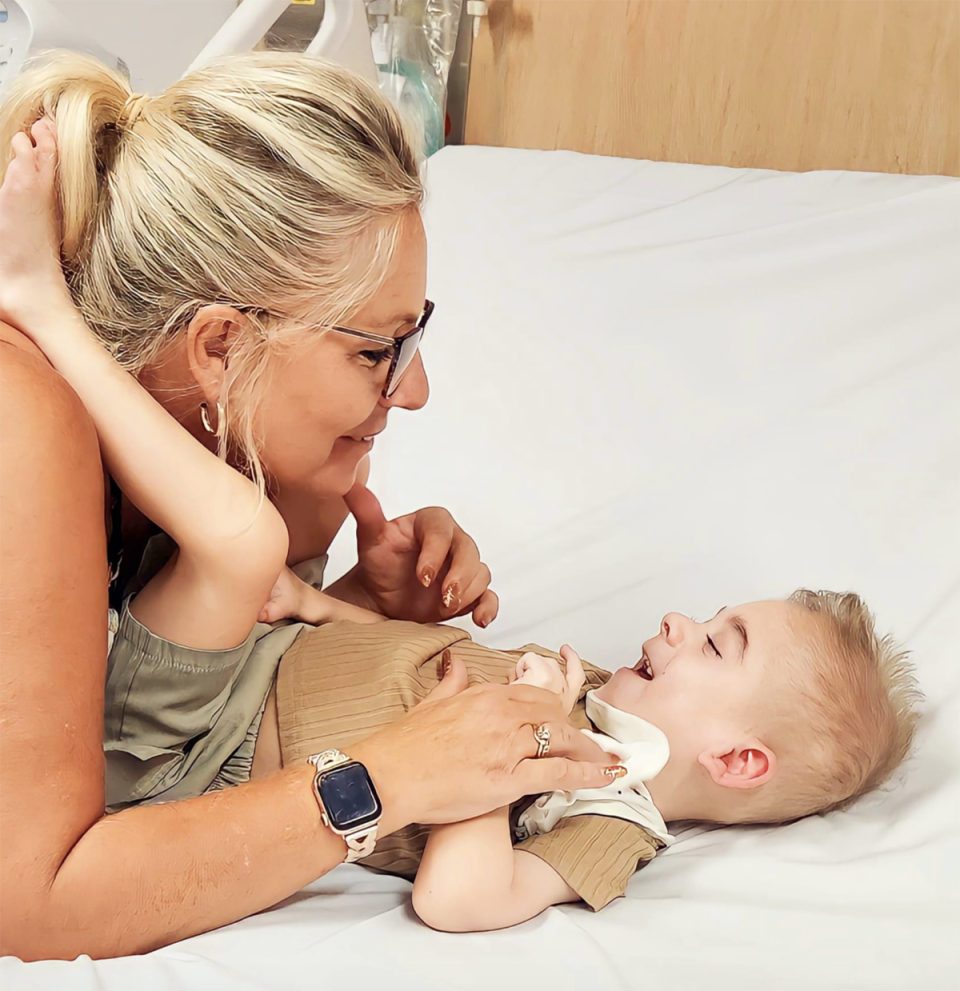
[{"x": 394, "y": 342}]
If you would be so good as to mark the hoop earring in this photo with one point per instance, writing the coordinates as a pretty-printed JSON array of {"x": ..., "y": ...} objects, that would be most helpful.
[{"x": 205, "y": 418}]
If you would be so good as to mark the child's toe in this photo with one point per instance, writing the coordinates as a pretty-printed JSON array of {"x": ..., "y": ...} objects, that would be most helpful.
[
  {"x": 23, "y": 151},
  {"x": 20, "y": 179},
  {"x": 44, "y": 135}
]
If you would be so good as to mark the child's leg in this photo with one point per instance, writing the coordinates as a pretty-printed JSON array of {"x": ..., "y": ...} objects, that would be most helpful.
[{"x": 232, "y": 541}]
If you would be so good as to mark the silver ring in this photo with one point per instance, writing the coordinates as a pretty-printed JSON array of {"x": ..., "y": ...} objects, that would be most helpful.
[{"x": 541, "y": 734}]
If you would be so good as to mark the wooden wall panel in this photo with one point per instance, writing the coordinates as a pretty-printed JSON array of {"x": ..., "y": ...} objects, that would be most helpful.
[{"x": 783, "y": 84}]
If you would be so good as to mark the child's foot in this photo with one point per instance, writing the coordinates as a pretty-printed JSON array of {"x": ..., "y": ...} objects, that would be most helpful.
[
  {"x": 33, "y": 292},
  {"x": 286, "y": 600}
]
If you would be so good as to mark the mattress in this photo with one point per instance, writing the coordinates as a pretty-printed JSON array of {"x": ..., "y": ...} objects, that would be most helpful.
[{"x": 663, "y": 387}]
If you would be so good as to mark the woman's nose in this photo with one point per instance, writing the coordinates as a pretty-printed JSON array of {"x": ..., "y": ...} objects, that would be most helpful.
[
  {"x": 413, "y": 390},
  {"x": 673, "y": 626}
]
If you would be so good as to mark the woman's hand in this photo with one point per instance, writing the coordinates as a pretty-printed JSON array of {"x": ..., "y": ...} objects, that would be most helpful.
[
  {"x": 421, "y": 567},
  {"x": 463, "y": 753}
]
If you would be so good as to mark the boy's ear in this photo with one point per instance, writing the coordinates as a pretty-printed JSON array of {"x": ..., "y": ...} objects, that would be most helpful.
[{"x": 747, "y": 765}]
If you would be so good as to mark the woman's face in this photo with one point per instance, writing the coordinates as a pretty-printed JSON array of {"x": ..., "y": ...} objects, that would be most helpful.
[{"x": 325, "y": 403}]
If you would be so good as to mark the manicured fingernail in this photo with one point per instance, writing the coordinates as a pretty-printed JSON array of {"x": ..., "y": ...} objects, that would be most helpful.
[
  {"x": 445, "y": 664},
  {"x": 426, "y": 577},
  {"x": 617, "y": 771},
  {"x": 483, "y": 623},
  {"x": 450, "y": 596}
]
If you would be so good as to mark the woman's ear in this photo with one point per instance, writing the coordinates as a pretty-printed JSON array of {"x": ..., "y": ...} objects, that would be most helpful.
[
  {"x": 749, "y": 764},
  {"x": 209, "y": 336}
]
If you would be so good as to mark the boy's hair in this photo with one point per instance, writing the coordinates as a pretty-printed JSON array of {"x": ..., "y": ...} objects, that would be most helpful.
[{"x": 857, "y": 714}]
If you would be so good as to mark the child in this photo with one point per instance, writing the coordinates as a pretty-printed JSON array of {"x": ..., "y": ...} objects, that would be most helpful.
[{"x": 765, "y": 713}]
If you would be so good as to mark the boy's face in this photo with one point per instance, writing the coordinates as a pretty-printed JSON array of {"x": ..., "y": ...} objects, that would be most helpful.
[{"x": 708, "y": 687}]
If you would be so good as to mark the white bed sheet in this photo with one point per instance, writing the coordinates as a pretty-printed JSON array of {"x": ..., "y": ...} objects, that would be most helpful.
[{"x": 673, "y": 387}]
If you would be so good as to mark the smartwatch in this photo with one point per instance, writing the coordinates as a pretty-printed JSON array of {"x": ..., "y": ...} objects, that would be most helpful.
[{"x": 349, "y": 803}]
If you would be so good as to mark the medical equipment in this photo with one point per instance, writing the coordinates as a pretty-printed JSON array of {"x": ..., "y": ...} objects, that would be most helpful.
[
  {"x": 343, "y": 35},
  {"x": 156, "y": 45},
  {"x": 413, "y": 45},
  {"x": 404, "y": 46},
  {"x": 31, "y": 26}
]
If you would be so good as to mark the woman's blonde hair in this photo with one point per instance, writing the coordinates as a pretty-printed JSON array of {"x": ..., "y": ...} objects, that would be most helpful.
[{"x": 270, "y": 182}]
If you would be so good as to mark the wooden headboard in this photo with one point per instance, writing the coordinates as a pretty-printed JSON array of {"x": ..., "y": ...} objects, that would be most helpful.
[{"x": 784, "y": 84}]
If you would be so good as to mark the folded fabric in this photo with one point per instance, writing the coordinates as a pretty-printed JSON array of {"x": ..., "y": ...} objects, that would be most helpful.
[{"x": 643, "y": 750}]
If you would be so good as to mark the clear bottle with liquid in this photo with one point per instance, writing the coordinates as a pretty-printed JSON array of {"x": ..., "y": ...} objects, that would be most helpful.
[{"x": 413, "y": 43}]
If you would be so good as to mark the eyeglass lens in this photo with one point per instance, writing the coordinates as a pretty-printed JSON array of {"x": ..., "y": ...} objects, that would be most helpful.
[{"x": 406, "y": 354}]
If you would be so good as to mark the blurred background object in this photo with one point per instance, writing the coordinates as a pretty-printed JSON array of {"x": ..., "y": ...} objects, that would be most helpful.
[{"x": 407, "y": 47}]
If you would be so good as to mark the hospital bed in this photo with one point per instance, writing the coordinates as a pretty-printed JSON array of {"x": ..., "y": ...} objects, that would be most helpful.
[{"x": 672, "y": 386}]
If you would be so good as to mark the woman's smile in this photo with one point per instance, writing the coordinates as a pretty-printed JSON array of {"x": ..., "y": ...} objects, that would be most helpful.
[{"x": 364, "y": 443}]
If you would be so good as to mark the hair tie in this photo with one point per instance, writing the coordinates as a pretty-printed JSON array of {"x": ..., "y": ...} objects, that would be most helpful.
[{"x": 132, "y": 110}]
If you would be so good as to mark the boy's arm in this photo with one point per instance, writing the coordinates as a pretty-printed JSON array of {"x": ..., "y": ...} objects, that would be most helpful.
[
  {"x": 471, "y": 879},
  {"x": 232, "y": 541}
]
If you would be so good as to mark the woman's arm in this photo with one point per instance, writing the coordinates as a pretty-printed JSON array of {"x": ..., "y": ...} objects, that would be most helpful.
[
  {"x": 73, "y": 880},
  {"x": 232, "y": 541},
  {"x": 472, "y": 880}
]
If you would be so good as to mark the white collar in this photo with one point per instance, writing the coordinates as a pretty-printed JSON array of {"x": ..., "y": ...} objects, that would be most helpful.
[
  {"x": 646, "y": 747},
  {"x": 640, "y": 747}
]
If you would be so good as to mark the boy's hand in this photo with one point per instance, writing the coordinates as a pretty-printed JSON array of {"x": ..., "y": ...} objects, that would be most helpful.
[{"x": 545, "y": 672}]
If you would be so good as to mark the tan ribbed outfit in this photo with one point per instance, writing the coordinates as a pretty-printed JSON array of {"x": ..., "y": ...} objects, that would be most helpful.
[{"x": 342, "y": 682}]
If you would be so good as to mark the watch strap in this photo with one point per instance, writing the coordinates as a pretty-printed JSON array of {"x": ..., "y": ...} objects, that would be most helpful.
[
  {"x": 328, "y": 759},
  {"x": 361, "y": 843}
]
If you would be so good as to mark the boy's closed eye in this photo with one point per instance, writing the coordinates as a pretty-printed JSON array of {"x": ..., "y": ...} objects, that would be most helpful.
[{"x": 734, "y": 627}]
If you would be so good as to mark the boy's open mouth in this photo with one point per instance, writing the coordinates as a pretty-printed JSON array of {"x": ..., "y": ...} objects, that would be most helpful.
[{"x": 644, "y": 668}]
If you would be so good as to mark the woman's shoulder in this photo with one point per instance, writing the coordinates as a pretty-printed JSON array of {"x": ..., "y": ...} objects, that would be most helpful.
[
  {"x": 51, "y": 451},
  {"x": 43, "y": 420},
  {"x": 12, "y": 336},
  {"x": 34, "y": 396}
]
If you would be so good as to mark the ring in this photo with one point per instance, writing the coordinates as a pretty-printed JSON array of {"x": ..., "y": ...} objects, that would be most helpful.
[{"x": 541, "y": 734}]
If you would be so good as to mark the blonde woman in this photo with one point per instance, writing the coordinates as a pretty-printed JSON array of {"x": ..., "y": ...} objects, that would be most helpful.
[{"x": 248, "y": 244}]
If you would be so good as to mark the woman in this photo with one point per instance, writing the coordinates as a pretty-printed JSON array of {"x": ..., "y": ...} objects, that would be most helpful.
[{"x": 207, "y": 234}]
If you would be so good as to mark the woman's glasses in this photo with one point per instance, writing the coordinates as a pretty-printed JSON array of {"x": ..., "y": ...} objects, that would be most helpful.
[{"x": 404, "y": 348}]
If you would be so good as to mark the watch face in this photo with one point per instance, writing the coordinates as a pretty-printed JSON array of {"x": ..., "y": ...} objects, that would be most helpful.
[{"x": 349, "y": 798}]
